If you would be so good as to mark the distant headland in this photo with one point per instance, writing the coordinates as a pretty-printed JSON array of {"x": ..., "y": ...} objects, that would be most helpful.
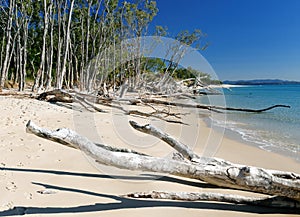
[{"x": 261, "y": 82}]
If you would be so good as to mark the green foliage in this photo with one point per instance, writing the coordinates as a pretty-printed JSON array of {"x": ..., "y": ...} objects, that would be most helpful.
[
  {"x": 96, "y": 27},
  {"x": 153, "y": 65},
  {"x": 183, "y": 73},
  {"x": 186, "y": 73},
  {"x": 192, "y": 39}
]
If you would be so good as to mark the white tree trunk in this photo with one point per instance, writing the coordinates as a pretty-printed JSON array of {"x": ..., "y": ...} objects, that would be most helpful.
[
  {"x": 273, "y": 201},
  {"x": 59, "y": 42},
  {"x": 50, "y": 48},
  {"x": 39, "y": 80},
  {"x": 223, "y": 173},
  {"x": 67, "y": 41},
  {"x": 8, "y": 49}
]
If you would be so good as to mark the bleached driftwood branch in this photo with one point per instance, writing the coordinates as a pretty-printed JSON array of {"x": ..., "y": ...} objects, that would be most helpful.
[
  {"x": 206, "y": 107},
  {"x": 178, "y": 146},
  {"x": 214, "y": 171},
  {"x": 89, "y": 102},
  {"x": 64, "y": 96},
  {"x": 271, "y": 201},
  {"x": 183, "y": 149}
]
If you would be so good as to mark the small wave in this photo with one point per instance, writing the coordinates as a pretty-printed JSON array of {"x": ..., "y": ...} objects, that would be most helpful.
[{"x": 262, "y": 139}]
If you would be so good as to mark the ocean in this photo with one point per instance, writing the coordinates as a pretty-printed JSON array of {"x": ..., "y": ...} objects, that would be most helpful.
[{"x": 276, "y": 130}]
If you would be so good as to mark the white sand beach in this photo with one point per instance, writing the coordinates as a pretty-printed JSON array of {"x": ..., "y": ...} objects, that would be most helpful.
[{"x": 30, "y": 165}]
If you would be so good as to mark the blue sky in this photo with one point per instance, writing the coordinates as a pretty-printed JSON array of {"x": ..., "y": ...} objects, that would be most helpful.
[{"x": 248, "y": 39}]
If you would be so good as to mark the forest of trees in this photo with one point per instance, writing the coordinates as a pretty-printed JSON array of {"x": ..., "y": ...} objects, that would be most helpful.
[{"x": 73, "y": 43}]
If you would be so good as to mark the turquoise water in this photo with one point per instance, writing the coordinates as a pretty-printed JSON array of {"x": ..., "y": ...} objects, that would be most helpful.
[{"x": 275, "y": 130}]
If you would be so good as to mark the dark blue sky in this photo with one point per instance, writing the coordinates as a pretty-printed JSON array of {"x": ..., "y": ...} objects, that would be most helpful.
[{"x": 248, "y": 39}]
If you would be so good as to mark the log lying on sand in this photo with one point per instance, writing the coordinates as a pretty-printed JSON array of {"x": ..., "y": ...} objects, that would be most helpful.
[
  {"x": 206, "y": 107},
  {"x": 273, "y": 201},
  {"x": 56, "y": 96},
  {"x": 63, "y": 96},
  {"x": 284, "y": 186}
]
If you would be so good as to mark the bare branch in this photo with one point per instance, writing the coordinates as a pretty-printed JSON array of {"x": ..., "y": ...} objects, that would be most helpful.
[
  {"x": 206, "y": 107},
  {"x": 178, "y": 146},
  {"x": 228, "y": 175},
  {"x": 278, "y": 202}
]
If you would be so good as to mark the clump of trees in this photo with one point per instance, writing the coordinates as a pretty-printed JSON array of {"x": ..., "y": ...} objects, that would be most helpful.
[
  {"x": 186, "y": 73},
  {"x": 52, "y": 42},
  {"x": 74, "y": 43}
]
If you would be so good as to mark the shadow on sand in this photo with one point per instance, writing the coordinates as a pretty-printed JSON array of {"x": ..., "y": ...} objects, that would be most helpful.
[{"x": 128, "y": 203}]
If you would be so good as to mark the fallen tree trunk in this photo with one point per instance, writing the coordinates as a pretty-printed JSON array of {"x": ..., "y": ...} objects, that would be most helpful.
[
  {"x": 63, "y": 96},
  {"x": 56, "y": 96},
  {"x": 205, "y": 107},
  {"x": 88, "y": 102},
  {"x": 273, "y": 201},
  {"x": 178, "y": 146},
  {"x": 183, "y": 149},
  {"x": 214, "y": 171}
]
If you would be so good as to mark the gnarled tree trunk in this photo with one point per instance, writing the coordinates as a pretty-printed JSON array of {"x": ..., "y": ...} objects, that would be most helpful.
[{"x": 215, "y": 171}]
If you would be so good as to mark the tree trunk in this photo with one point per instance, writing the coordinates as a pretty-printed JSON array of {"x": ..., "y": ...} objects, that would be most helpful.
[
  {"x": 214, "y": 171},
  {"x": 66, "y": 51},
  {"x": 272, "y": 201},
  {"x": 50, "y": 49},
  {"x": 25, "y": 42},
  {"x": 59, "y": 42},
  {"x": 39, "y": 80},
  {"x": 8, "y": 32},
  {"x": 206, "y": 107}
]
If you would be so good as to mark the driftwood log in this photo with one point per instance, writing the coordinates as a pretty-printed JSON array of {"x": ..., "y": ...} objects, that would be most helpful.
[
  {"x": 56, "y": 96},
  {"x": 63, "y": 96},
  {"x": 206, "y": 107},
  {"x": 91, "y": 103},
  {"x": 227, "y": 198},
  {"x": 284, "y": 187}
]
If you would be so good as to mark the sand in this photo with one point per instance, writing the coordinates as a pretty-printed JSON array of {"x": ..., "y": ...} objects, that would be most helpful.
[{"x": 31, "y": 165}]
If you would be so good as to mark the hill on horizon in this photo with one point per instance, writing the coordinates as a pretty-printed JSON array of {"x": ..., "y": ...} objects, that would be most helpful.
[{"x": 260, "y": 82}]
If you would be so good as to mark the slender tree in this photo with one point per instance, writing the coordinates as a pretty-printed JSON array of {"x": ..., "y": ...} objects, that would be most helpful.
[
  {"x": 8, "y": 42},
  {"x": 39, "y": 80}
]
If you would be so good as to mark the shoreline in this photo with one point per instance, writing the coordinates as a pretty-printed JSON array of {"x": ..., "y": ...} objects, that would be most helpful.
[
  {"x": 233, "y": 137},
  {"x": 273, "y": 131},
  {"x": 269, "y": 148},
  {"x": 241, "y": 149},
  {"x": 30, "y": 164},
  {"x": 236, "y": 136}
]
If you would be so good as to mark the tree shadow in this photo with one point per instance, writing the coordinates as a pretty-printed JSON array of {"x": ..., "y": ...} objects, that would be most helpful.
[
  {"x": 128, "y": 203},
  {"x": 68, "y": 106},
  {"x": 142, "y": 177}
]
